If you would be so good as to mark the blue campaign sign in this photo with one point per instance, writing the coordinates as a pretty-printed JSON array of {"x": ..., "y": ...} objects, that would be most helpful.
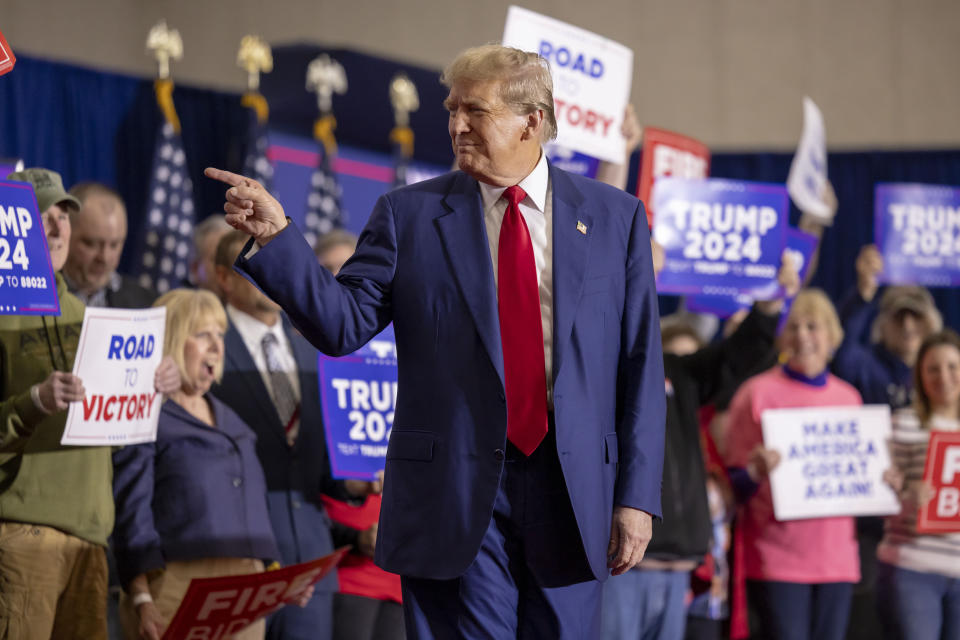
[
  {"x": 720, "y": 237},
  {"x": 917, "y": 228},
  {"x": 359, "y": 395},
  {"x": 27, "y": 284},
  {"x": 800, "y": 248}
]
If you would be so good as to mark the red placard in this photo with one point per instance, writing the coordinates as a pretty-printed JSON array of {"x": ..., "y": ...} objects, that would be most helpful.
[
  {"x": 942, "y": 471},
  {"x": 666, "y": 153},
  {"x": 217, "y": 608},
  {"x": 7, "y": 59}
]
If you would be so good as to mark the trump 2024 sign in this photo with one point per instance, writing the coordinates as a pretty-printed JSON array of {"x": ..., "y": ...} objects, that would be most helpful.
[
  {"x": 27, "y": 285},
  {"x": 359, "y": 395},
  {"x": 917, "y": 228},
  {"x": 720, "y": 237}
]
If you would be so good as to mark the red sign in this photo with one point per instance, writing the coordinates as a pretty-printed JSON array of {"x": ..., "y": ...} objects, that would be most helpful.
[
  {"x": 942, "y": 471},
  {"x": 217, "y": 608},
  {"x": 7, "y": 59},
  {"x": 669, "y": 154}
]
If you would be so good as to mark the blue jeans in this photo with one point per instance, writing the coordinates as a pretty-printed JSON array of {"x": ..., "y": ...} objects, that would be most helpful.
[
  {"x": 643, "y": 604},
  {"x": 799, "y": 611},
  {"x": 918, "y": 606}
]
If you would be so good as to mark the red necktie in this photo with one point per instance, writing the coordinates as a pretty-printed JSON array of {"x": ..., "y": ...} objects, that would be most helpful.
[{"x": 520, "y": 330}]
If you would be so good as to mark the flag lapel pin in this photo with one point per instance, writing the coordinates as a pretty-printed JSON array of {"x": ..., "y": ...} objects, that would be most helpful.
[{"x": 582, "y": 228}]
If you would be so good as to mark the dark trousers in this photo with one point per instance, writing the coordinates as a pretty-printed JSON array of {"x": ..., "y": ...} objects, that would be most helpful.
[
  {"x": 523, "y": 582},
  {"x": 797, "y": 611},
  {"x": 360, "y": 618}
]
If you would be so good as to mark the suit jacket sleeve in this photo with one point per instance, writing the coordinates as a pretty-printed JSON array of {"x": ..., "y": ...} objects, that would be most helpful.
[
  {"x": 337, "y": 315},
  {"x": 641, "y": 405}
]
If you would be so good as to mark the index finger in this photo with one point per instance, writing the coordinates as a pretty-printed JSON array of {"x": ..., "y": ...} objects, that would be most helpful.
[{"x": 227, "y": 177}]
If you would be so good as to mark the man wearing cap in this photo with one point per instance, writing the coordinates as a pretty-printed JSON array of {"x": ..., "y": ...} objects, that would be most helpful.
[
  {"x": 99, "y": 232},
  {"x": 526, "y": 454},
  {"x": 882, "y": 336},
  {"x": 56, "y": 502}
]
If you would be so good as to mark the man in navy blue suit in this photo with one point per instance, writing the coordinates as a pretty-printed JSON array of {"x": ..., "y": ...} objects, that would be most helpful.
[{"x": 527, "y": 446}]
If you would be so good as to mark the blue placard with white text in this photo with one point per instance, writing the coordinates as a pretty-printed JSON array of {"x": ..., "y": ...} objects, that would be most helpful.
[
  {"x": 917, "y": 229},
  {"x": 359, "y": 396},
  {"x": 27, "y": 284},
  {"x": 720, "y": 237},
  {"x": 800, "y": 247}
]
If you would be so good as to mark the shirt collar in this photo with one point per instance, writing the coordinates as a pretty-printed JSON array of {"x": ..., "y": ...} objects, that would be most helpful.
[
  {"x": 113, "y": 285},
  {"x": 251, "y": 329},
  {"x": 535, "y": 186}
]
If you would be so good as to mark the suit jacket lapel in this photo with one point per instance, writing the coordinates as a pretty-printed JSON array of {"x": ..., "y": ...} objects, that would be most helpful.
[
  {"x": 241, "y": 363},
  {"x": 464, "y": 237},
  {"x": 571, "y": 248}
]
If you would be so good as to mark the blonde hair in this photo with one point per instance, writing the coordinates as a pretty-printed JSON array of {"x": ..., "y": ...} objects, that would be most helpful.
[
  {"x": 814, "y": 302},
  {"x": 187, "y": 311},
  {"x": 525, "y": 84}
]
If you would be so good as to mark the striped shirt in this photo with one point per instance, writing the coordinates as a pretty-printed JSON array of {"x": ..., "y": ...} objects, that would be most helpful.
[{"x": 901, "y": 545}]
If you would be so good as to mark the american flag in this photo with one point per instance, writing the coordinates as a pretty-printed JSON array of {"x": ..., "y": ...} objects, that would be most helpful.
[
  {"x": 170, "y": 214},
  {"x": 324, "y": 213},
  {"x": 256, "y": 165}
]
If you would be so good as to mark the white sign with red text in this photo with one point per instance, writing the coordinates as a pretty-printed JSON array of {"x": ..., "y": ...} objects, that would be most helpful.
[
  {"x": 591, "y": 80},
  {"x": 118, "y": 354}
]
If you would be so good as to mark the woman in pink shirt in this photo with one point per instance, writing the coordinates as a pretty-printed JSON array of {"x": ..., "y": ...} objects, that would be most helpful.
[{"x": 800, "y": 573}]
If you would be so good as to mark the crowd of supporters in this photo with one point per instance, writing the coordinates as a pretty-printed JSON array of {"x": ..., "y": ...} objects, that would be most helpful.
[{"x": 239, "y": 476}]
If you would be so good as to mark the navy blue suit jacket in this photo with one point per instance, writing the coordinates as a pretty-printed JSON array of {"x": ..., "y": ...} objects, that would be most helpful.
[
  {"x": 423, "y": 262},
  {"x": 295, "y": 475}
]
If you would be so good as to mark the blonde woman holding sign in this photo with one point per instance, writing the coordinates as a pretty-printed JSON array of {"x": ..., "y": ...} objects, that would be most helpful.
[
  {"x": 192, "y": 504},
  {"x": 918, "y": 581},
  {"x": 800, "y": 573}
]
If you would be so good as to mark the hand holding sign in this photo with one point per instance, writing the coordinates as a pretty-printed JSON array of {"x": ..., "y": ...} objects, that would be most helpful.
[
  {"x": 151, "y": 622},
  {"x": 762, "y": 462},
  {"x": 166, "y": 379},
  {"x": 59, "y": 390}
]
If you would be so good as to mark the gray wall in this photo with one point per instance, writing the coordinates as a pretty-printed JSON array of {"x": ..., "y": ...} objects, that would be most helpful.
[{"x": 731, "y": 72}]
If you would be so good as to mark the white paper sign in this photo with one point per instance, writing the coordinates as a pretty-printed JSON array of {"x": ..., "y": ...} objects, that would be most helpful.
[
  {"x": 118, "y": 354},
  {"x": 807, "y": 181},
  {"x": 832, "y": 461},
  {"x": 591, "y": 80}
]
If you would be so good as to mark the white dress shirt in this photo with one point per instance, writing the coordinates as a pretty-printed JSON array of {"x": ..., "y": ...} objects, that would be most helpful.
[
  {"x": 537, "y": 211},
  {"x": 252, "y": 332}
]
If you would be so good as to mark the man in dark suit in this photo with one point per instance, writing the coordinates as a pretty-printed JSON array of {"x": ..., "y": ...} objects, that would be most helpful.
[
  {"x": 527, "y": 448},
  {"x": 270, "y": 379},
  {"x": 99, "y": 233}
]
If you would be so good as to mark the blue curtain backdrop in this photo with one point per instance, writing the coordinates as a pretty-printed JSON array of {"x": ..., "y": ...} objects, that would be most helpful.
[{"x": 92, "y": 125}]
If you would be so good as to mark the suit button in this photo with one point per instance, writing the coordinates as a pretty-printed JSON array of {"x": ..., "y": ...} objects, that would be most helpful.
[
  {"x": 296, "y": 504},
  {"x": 498, "y": 454},
  {"x": 237, "y": 482}
]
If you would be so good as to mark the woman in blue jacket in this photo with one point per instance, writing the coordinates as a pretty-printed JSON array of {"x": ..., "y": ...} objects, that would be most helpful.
[{"x": 193, "y": 503}]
